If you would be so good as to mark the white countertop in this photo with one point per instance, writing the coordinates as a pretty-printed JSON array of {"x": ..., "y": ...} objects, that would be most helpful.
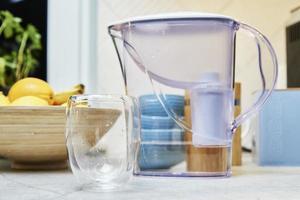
[{"x": 248, "y": 182}]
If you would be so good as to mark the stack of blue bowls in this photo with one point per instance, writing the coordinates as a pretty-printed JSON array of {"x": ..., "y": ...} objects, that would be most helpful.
[{"x": 161, "y": 137}]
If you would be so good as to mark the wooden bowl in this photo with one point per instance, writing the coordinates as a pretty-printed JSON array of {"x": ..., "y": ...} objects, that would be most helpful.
[{"x": 34, "y": 137}]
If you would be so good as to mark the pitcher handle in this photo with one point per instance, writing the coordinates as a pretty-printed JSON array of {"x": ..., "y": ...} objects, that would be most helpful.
[{"x": 258, "y": 37}]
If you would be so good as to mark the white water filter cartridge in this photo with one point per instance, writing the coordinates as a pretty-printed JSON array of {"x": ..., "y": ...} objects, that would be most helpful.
[{"x": 209, "y": 110}]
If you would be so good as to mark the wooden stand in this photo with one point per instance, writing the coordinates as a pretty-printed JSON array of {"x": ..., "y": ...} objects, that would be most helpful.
[
  {"x": 236, "y": 142},
  {"x": 212, "y": 158},
  {"x": 207, "y": 159}
]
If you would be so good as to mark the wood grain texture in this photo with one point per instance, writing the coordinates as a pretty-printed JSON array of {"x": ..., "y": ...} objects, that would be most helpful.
[
  {"x": 237, "y": 140},
  {"x": 32, "y": 135},
  {"x": 36, "y": 135},
  {"x": 204, "y": 159},
  {"x": 40, "y": 165},
  {"x": 213, "y": 159}
]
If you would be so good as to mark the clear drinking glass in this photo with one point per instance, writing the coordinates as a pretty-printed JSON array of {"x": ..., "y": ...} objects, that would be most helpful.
[{"x": 99, "y": 132}]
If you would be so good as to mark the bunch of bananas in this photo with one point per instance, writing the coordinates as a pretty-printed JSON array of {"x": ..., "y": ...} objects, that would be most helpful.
[
  {"x": 36, "y": 92},
  {"x": 62, "y": 97}
]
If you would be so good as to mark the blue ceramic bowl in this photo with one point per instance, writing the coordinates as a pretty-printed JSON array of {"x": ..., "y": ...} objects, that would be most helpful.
[
  {"x": 150, "y": 105},
  {"x": 161, "y": 148},
  {"x": 158, "y": 122}
]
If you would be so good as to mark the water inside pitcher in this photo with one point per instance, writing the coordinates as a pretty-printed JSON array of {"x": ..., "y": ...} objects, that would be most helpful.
[{"x": 185, "y": 53}]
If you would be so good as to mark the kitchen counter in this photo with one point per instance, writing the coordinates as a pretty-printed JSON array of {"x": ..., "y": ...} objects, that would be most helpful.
[{"x": 248, "y": 182}]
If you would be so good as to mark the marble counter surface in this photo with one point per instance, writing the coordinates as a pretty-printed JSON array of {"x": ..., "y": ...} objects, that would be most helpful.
[{"x": 248, "y": 182}]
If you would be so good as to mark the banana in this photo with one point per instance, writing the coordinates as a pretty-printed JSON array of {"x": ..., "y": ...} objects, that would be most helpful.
[{"x": 62, "y": 97}]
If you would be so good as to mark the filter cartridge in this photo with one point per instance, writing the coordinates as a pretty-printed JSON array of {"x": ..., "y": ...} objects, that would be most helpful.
[{"x": 210, "y": 111}]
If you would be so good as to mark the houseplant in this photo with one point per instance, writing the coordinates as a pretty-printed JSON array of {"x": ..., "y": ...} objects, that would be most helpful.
[{"x": 19, "y": 48}]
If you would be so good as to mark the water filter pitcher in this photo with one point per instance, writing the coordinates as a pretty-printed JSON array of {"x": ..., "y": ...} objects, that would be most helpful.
[{"x": 190, "y": 53}]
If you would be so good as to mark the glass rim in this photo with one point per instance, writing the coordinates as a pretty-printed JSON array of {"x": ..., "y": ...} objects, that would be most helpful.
[{"x": 98, "y": 97}]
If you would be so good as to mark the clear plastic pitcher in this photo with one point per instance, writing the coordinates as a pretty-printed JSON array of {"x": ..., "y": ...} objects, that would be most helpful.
[{"x": 187, "y": 53}]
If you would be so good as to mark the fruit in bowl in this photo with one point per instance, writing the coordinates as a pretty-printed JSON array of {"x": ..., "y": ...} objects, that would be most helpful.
[
  {"x": 32, "y": 125},
  {"x": 31, "y": 87},
  {"x": 29, "y": 100},
  {"x": 36, "y": 92}
]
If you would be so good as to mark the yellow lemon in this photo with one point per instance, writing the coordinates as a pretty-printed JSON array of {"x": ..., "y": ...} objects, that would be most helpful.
[
  {"x": 31, "y": 87},
  {"x": 3, "y": 100},
  {"x": 29, "y": 101}
]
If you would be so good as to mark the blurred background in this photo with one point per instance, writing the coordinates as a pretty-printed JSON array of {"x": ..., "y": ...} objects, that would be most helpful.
[{"x": 77, "y": 48}]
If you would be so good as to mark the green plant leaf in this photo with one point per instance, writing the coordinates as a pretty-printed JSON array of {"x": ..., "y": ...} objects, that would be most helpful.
[
  {"x": 8, "y": 32},
  {"x": 2, "y": 61},
  {"x": 23, "y": 59},
  {"x": 17, "y": 20},
  {"x": 2, "y": 71}
]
